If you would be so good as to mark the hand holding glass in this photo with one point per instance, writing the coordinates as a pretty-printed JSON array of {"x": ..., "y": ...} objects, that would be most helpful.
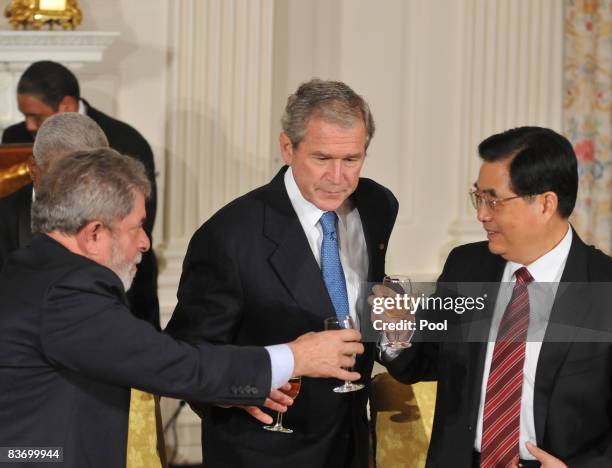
[
  {"x": 401, "y": 285},
  {"x": 335, "y": 323},
  {"x": 296, "y": 384}
]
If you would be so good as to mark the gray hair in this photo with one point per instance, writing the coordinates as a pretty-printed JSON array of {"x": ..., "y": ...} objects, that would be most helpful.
[
  {"x": 63, "y": 134},
  {"x": 333, "y": 101},
  {"x": 87, "y": 186}
]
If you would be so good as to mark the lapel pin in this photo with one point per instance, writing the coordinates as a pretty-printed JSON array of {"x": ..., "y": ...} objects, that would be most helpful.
[{"x": 381, "y": 246}]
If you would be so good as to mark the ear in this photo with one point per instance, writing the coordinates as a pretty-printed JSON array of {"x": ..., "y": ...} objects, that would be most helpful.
[
  {"x": 90, "y": 239},
  {"x": 286, "y": 148},
  {"x": 550, "y": 203},
  {"x": 34, "y": 171},
  {"x": 68, "y": 104}
]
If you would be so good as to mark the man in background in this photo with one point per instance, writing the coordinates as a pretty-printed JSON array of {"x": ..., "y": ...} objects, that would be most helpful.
[
  {"x": 277, "y": 262},
  {"x": 61, "y": 135},
  {"x": 69, "y": 349},
  {"x": 47, "y": 88}
]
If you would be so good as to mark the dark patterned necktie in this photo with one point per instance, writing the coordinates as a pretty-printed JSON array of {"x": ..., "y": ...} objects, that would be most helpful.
[{"x": 502, "y": 411}]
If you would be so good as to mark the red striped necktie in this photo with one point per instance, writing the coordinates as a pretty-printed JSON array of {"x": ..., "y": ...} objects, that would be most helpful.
[{"x": 502, "y": 411}]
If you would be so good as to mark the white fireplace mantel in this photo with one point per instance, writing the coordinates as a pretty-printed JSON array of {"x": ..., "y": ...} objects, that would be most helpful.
[{"x": 20, "y": 48}]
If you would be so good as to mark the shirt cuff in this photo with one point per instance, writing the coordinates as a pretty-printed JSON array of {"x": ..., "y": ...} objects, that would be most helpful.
[{"x": 281, "y": 359}]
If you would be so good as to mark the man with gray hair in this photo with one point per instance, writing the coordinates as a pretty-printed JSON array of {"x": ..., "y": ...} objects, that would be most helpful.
[
  {"x": 69, "y": 348},
  {"x": 60, "y": 135},
  {"x": 277, "y": 262}
]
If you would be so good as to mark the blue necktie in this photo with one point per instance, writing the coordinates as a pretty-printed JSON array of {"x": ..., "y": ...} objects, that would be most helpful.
[{"x": 333, "y": 275}]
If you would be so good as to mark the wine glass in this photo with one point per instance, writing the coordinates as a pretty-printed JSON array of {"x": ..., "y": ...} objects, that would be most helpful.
[
  {"x": 401, "y": 284},
  {"x": 335, "y": 323},
  {"x": 296, "y": 383}
]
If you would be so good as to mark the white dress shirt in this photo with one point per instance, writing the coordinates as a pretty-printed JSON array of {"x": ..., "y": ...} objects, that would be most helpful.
[
  {"x": 546, "y": 272},
  {"x": 351, "y": 240}
]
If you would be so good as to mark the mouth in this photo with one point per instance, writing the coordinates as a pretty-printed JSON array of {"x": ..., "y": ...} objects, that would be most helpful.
[{"x": 491, "y": 235}]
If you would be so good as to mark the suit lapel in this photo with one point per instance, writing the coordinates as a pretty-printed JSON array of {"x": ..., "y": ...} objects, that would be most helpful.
[
  {"x": 373, "y": 232},
  {"x": 292, "y": 259},
  {"x": 491, "y": 270},
  {"x": 571, "y": 307}
]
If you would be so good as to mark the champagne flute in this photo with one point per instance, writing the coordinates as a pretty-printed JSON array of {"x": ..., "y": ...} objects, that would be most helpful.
[
  {"x": 335, "y": 323},
  {"x": 296, "y": 384},
  {"x": 401, "y": 284}
]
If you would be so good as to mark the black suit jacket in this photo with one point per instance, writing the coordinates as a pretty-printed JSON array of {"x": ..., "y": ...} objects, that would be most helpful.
[
  {"x": 70, "y": 351},
  {"x": 573, "y": 383},
  {"x": 142, "y": 296},
  {"x": 250, "y": 277}
]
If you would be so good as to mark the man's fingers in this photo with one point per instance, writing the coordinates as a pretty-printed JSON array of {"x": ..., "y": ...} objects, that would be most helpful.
[
  {"x": 380, "y": 290},
  {"x": 347, "y": 334},
  {"x": 343, "y": 374},
  {"x": 258, "y": 414},
  {"x": 546, "y": 459},
  {"x": 274, "y": 405},
  {"x": 279, "y": 397},
  {"x": 346, "y": 361},
  {"x": 353, "y": 348},
  {"x": 537, "y": 452}
]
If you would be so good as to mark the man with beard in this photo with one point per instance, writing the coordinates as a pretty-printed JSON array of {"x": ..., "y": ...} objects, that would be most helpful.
[{"x": 69, "y": 348}]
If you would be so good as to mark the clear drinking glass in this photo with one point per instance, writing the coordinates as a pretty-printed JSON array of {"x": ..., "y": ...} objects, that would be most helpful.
[
  {"x": 335, "y": 323},
  {"x": 401, "y": 284},
  {"x": 296, "y": 384}
]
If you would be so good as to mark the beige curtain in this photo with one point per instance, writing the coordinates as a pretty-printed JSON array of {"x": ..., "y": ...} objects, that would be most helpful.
[{"x": 588, "y": 114}]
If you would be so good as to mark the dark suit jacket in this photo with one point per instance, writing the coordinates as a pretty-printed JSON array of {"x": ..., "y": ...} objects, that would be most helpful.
[
  {"x": 250, "y": 277},
  {"x": 70, "y": 351},
  {"x": 142, "y": 296},
  {"x": 573, "y": 383}
]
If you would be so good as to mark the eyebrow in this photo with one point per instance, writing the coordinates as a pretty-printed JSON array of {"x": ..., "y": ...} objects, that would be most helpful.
[
  {"x": 491, "y": 192},
  {"x": 344, "y": 156}
]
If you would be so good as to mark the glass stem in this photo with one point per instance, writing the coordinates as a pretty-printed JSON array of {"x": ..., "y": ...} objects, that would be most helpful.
[{"x": 279, "y": 419}]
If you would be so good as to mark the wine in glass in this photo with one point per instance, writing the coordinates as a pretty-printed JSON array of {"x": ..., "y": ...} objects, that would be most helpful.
[
  {"x": 296, "y": 383},
  {"x": 398, "y": 339},
  {"x": 335, "y": 323}
]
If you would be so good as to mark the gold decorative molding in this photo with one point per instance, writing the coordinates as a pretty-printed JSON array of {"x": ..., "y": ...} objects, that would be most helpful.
[{"x": 38, "y": 13}]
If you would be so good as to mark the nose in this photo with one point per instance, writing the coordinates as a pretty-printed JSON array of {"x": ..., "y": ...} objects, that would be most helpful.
[
  {"x": 32, "y": 124},
  {"x": 335, "y": 171},
  {"x": 144, "y": 243},
  {"x": 483, "y": 213}
]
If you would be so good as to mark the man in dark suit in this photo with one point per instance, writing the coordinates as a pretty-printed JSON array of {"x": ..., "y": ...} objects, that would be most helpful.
[
  {"x": 521, "y": 382},
  {"x": 60, "y": 135},
  {"x": 69, "y": 349},
  {"x": 261, "y": 271},
  {"x": 45, "y": 89}
]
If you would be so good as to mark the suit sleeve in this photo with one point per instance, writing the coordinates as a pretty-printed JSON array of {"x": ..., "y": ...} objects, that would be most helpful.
[
  {"x": 210, "y": 295},
  {"x": 88, "y": 329}
]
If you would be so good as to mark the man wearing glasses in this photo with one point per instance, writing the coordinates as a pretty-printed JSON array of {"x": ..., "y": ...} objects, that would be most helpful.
[{"x": 506, "y": 399}]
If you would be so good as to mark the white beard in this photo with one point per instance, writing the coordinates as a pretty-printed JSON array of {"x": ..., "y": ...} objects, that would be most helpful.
[{"x": 122, "y": 267}]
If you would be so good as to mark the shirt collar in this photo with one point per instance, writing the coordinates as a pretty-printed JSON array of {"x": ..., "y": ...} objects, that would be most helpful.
[
  {"x": 307, "y": 212},
  {"x": 82, "y": 108},
  {"x": 547, "y": 268}
]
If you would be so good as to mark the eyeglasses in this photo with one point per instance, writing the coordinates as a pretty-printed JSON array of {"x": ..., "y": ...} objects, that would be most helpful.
[{"x": 478, "y": 198}]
